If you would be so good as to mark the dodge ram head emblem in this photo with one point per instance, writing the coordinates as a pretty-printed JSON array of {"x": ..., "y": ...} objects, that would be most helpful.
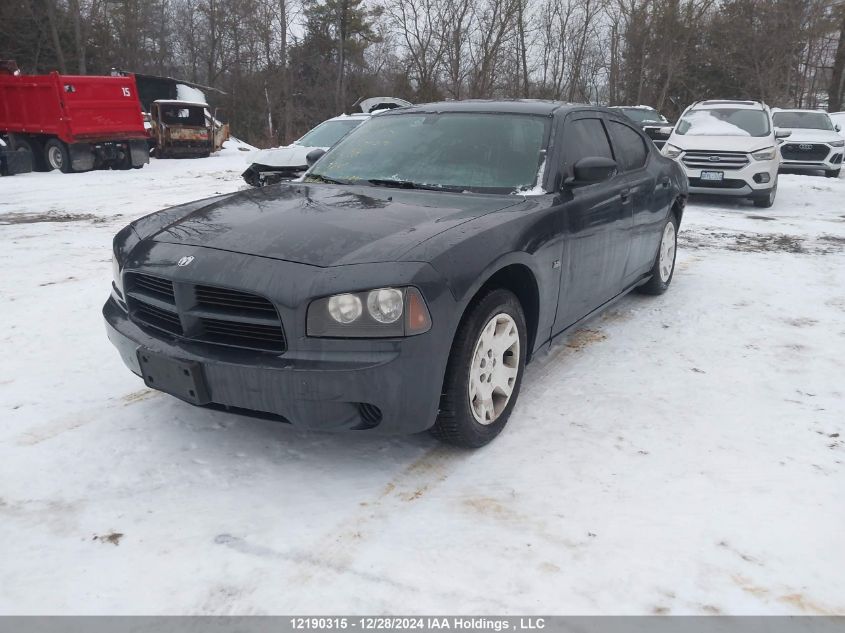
[{"x": 185, "y": 260}]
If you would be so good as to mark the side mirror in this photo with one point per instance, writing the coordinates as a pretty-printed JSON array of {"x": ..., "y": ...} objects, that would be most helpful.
[
  {"x": 313, "y": 156},
  {"x": 666, "y": 131},
  {"x": 592, "y": 169},
  {"x": 782, "y": 133},
  {"x": 837, "y": 127}
]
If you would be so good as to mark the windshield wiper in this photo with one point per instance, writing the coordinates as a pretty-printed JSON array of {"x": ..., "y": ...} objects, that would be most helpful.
[
  {"x": 323, "y": 179},
  {"x": 408, "y": 184}
]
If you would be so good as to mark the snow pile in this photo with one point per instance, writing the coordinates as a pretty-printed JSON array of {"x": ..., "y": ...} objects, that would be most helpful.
[
  {"x": 620, "y": 486},
  {"x": 187, "y": 93}
]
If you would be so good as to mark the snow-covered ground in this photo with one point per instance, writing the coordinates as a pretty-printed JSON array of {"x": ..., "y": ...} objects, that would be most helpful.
[{"x": 681, "y": 454}]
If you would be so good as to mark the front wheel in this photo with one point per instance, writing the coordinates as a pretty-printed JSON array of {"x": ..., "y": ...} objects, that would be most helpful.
[
  {"x": 832, "y": 173},
  {"x": 767, "y": 199},
  {"x": 664, "y": 264},
  {"x": 484, "y": 372}
]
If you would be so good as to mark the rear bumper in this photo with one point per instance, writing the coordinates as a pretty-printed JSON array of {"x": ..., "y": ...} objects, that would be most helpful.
[{"x": 393, "y": 389}]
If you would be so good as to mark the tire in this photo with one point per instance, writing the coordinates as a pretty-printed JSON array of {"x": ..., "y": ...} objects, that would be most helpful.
[
  {"x": 766, "y": 200},
  {"x": 23, "y": 144},
  {"x": 832, "y": 173},
  {"x": 464, "y": 420},
  {"x": 56, "y": 156},
  {"x": 663, "y": 268}
]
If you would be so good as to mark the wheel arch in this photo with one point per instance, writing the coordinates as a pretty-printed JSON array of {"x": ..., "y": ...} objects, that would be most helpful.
[
  {"x": 677, "y": 208},
  {"x": 520, "y": 279}
]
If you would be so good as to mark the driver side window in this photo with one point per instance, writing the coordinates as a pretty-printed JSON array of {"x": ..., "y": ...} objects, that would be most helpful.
[{"x": 584, "y": 138}]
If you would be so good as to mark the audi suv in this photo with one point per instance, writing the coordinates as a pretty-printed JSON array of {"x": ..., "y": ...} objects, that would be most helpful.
[{"x": 814, "y": 143}]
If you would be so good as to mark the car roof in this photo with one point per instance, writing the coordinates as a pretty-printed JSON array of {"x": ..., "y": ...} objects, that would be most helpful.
[
  {"x": 509, "y": 106},
  {"x": 721, "y": 103},
  {"x": 817, "y": 111},
  {"x": 632, "y": 107},
  {"x": 354, "y": 116}
]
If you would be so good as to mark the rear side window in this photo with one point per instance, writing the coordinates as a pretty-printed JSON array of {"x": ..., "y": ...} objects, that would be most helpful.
[
  {"x": 632, "y": 148},
  {"x": 585, "y": 138}
]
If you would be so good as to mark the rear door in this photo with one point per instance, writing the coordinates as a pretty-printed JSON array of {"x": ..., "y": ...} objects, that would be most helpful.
[
  {"x": 649, "y": 195},
  {"x": 597, "y": 220}
]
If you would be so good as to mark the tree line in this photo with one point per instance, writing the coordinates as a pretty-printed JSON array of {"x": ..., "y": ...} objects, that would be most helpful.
[{"x": 286, "y": 65}]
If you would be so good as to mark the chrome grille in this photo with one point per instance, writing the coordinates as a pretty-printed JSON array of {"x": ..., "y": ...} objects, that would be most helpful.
[
  {"x": 209, "y": 314},
  {"x": 712, "y": 159}
]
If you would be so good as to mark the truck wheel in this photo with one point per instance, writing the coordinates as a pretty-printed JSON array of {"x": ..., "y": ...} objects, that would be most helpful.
[
  {"x": 56, "y": 156},
  {"x": 22, "y": 144},
  {"x": 484, "y": 372}
]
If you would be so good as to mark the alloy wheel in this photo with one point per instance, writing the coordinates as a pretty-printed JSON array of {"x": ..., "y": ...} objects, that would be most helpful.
[
  {"x": 667, "y": 252},
  {"x": 494, "y": 368}
]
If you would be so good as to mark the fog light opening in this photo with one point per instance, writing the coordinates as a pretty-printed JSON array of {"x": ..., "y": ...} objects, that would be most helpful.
[
  {"x": 370, "y": 416},
  {"x": 762, "y": 178}
]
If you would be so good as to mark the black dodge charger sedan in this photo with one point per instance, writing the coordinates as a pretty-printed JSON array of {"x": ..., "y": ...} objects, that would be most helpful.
[{"x": 407, "y": 280}]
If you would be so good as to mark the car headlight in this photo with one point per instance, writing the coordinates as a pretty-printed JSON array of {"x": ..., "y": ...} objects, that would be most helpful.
[
  {"x": 764, "y": 154},
  {"x": 377, "y": 313},
  {"x": 837, "y": 143},
  {"x": 117, "y": 282},
  {"x": 670, "y": 151}
]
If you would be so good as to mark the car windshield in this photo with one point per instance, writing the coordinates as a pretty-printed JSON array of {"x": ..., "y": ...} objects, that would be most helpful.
[
  {"x": 486, "y": 153},
  {"x": 803, "y": 120},
  {"x": 328, "y": 133},
  {"x": 724, "y": 122},
  {"x": 644, "y": 115}
]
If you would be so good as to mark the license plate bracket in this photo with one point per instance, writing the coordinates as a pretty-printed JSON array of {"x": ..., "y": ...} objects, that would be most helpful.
[
  {"x": 712, "y": 176},
  {"x": 181, "y": 378}
]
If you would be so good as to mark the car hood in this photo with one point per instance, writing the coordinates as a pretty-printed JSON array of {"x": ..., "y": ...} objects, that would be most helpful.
[
  {"x": 326, "y": 225},
  {"x": 290, "y": 156},
  {"x": 801, "y": 135},
  {"x": 721, "y": 143}
]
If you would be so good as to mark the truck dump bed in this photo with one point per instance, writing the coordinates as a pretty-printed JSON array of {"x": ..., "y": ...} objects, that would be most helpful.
[{"x": 73, "y": 108}]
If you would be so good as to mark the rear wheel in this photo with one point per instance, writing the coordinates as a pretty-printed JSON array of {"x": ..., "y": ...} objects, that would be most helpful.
[
  {"x": 832, "y": 173},
  {"x": 664, "y": 264},
  {"x": 484, "y": 372},
  {"x": 56, "y": 156},
  {"x": 22, "y": 144}
]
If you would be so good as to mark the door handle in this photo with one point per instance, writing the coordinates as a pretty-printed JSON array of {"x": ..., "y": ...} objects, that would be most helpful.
[
  {"x": 625, "y": 194},
  {"x": 665, "y": 182}
]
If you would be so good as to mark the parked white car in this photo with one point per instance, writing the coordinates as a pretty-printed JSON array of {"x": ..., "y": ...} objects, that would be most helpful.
[
  {"x": 728, "y": 148},
  {"x": 815, "y": 143},
  {"x": 276, "y": 164},
  {"x": 838, "y": 119}
]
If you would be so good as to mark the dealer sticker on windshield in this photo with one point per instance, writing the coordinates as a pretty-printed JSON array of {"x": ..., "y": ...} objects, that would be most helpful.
[{"x": 715, "y": 176}]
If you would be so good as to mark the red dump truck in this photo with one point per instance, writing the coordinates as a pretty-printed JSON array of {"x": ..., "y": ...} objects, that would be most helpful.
[{"x": 73, "y": 123}]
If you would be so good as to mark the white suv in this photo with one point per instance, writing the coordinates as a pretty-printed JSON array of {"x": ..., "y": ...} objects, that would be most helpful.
[
  {"x": 728, "y": 148},
  {"x": 815, "y": 143}
]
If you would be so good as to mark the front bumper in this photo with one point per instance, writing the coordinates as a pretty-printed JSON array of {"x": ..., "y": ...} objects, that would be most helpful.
[
  {"x": 393, "y": 388},
  {"x": 831, "y": 162},
  {"x": 316, "y": 383},
  {"x": 755, "y": 178}
]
